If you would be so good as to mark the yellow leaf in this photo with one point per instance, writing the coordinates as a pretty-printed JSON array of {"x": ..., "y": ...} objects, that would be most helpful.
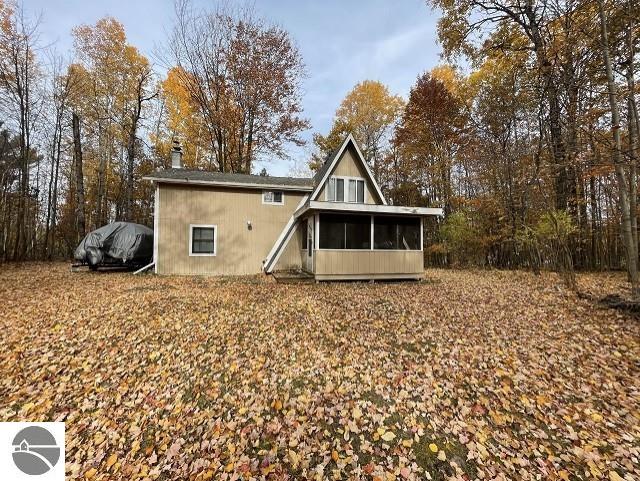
[
  {"x": 357, "y": 414},
  {"x": 335, "y": 456},
  {"x": 542, "y": 400},
  {"x": 613, "y": 476},
  {"x": 294, "y": 459},
  {"x": 135, "y": 447},
  {"x": 407, "y": 443},
  {"x": 564, "y": 474},
  {"x": 267, "y": 469},
  {"x": 111, "y": 460},
  {"x": 27, "y": 407},
  {"x": 207, "y": 475},
  {"x": 388, "y": 436},
  {"x": 433, "y": 447},
  {"x": 594, "y": 469},
  {"x": 229, "y": 467},
  {"x": 91, "y": 473},
  {"x": 596, "y": 417},
  {"x": 277, "y": 405}
]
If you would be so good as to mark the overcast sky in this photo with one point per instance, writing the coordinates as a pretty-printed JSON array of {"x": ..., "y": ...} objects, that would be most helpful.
[{"x": 342, "y": 42}]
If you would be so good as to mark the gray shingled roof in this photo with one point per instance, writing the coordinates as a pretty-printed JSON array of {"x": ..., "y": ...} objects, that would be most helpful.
[
  {"x": 327, "y": 162},
  {"x": 188, "y": 175}
]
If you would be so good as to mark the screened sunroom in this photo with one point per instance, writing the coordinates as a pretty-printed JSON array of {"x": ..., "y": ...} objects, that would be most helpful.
[{"x": 360, "y": 241}]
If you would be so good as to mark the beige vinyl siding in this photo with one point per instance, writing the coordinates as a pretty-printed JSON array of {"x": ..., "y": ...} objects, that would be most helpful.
[
  {"x": 239, "y": 250},
  {"x": 368, "y": 262},
  {"x": 291, "y": 257},
  {"x": 348, "y": 166}
]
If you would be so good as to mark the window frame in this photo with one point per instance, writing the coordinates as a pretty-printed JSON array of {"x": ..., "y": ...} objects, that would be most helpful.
[
  {"x": 345, "y": 191},
  {"x": 420, "y": 239},
  {"x": 344, "y": 232},
  {"x": 215, "y": 240},
  {"x": 273, "y": 192}
]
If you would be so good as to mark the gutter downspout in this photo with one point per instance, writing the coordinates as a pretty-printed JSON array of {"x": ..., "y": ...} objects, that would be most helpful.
[{"x": 156, "y": 226}]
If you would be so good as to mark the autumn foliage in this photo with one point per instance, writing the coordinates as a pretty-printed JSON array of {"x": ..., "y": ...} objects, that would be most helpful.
[{"x": 470, "y": 375}]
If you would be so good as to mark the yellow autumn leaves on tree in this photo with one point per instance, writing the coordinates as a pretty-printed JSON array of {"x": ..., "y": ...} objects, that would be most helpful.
[{"x": 368, "y": 111}]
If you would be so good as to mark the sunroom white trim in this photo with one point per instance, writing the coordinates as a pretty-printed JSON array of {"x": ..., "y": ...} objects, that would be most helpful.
[{"x": 366, "y": 208}]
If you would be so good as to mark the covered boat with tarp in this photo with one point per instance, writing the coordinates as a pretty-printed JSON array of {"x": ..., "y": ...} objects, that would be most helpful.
[{"x": 123, "y": 244}]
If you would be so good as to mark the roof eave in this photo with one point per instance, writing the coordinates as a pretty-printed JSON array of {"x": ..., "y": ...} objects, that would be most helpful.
[
  {"x": 367, "y": 209},
  {"x": 240, "y": 185}
]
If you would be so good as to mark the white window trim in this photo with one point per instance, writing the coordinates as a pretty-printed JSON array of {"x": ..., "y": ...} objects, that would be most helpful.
[
  {"x": 347, "y": 178},
  {"x": 215, "y": 241},
  {"x": 272, "y": 203}
]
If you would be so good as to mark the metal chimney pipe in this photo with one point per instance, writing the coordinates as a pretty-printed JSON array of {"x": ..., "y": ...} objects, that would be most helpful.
[{"x": 176, "y": 155}]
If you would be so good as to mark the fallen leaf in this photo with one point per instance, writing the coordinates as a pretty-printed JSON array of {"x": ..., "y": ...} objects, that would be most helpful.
[{"x": 388, "y": 436}]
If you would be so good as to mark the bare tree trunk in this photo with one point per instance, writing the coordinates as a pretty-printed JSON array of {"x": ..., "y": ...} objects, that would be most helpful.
[
  {"x": 633, "y": 130},
  {"x": 131, "y": 153},
  {"x": 100, "y": 191},
  {"x": 45, "y": 244},
  {"x": 54, "y": 210},
  {"x": 79, "y": 177},
  {"x": 623, "y": 188}
]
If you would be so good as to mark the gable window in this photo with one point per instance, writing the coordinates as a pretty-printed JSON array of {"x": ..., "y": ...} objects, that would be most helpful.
[
  {"x": 273, "y": 197},
  {"x": 335, "y": 189},
  {"x": 353, "y": 186},
  {"x": 202, "y": 240}
]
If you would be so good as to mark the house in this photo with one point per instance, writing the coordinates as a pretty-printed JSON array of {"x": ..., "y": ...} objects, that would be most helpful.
[{"x": 336, "y": 225}]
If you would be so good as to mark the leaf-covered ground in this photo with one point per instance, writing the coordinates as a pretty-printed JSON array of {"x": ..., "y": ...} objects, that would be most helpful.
[{"x": 470, "y": 374}]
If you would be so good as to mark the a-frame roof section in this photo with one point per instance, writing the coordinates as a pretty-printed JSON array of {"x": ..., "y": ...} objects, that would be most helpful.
[{"x": 331, "y": 163}]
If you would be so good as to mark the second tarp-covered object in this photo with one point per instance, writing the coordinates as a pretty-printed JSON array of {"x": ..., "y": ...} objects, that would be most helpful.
[{"x": 123, "y": 243}]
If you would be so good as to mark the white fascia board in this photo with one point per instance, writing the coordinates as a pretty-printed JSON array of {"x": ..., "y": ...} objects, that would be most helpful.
[
  {"x": 274, "y": 254},
  {"x": 369, "y": 173},
  {"x": 368, "y": 208},
  {"x": 335, "y": 160},
  {"x": 239, "y": 185}
]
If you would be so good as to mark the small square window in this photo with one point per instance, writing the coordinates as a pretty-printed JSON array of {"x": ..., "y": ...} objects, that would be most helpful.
[
  {"x": 272, "y": 197},
  {"x": 202, "y": 240}
]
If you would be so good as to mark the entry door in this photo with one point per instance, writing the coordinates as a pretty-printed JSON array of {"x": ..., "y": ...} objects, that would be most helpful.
[{"x": 310, "y": 237}]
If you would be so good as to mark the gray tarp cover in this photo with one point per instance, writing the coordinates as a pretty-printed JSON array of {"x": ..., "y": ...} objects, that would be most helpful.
[{"x": 124, "y": 242}]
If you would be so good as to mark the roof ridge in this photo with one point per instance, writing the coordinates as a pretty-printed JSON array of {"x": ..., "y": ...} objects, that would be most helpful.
[{"x": 216, "y": 172}]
